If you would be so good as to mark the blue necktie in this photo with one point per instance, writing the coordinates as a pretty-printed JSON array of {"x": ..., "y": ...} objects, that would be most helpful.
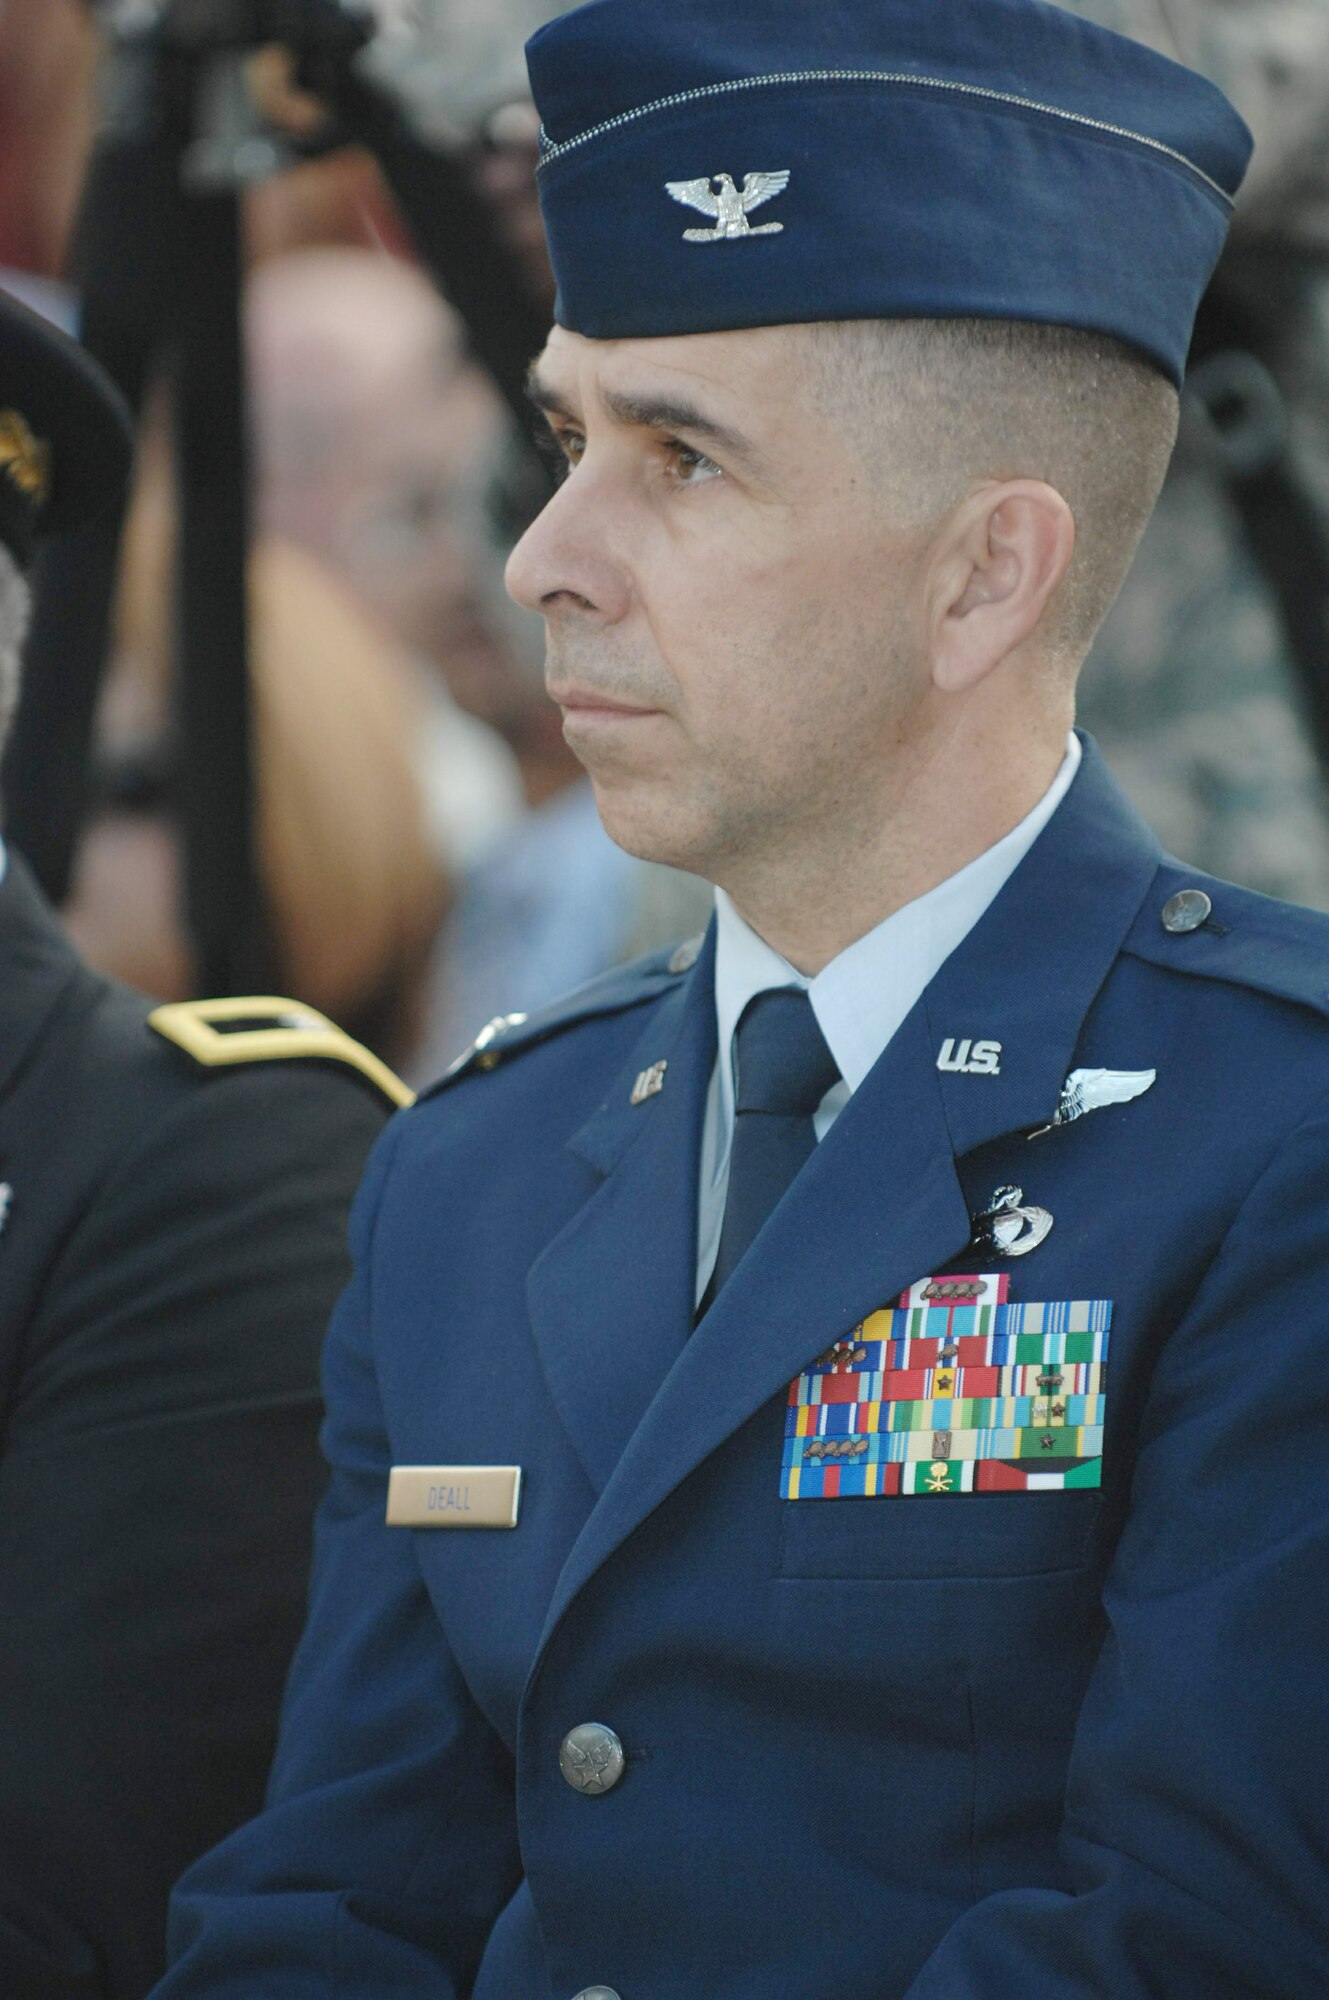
[{"x": 784, "y": 1069}]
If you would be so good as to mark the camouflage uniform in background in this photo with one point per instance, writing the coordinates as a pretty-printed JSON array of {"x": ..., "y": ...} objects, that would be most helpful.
[
  {"x": 1191, "y": 689},
  {"x": 453, "y": 62}
]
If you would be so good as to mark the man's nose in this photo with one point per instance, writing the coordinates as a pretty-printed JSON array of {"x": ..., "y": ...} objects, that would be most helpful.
[{"x": 567, "y": 555}]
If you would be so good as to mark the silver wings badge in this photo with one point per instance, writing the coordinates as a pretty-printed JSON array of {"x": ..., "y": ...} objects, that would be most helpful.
[
  {"x": 1088, "y": 1090},
  {"x": 716, "y": 195}
]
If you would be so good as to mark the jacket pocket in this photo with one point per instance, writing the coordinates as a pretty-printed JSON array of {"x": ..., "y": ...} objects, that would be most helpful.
[{"x": 954, "y": 1535}]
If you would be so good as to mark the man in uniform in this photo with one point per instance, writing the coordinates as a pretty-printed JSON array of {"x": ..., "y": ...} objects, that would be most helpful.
[
  {"x": 174, "y": 1186},
  {"x": 744, "y": 1574}
]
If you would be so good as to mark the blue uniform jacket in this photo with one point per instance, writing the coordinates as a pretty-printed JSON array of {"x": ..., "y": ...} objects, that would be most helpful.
[{"x": 950, "y": 1746}]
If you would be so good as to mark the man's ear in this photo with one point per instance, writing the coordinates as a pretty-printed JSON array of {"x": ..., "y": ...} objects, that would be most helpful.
[{"x": 1000, "y": 556}]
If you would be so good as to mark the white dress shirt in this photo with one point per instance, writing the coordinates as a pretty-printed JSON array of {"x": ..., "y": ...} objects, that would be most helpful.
[{"x": 860, "y": 998}]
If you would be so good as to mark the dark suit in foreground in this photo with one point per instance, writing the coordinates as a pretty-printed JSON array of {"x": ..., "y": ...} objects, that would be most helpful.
[
  {"x": 1047, "y": 1738},
  {"x": 173, "y": 1239}
]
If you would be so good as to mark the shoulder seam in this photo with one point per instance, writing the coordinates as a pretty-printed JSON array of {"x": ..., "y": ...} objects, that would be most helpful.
[{"x": 510, "y": 1035}]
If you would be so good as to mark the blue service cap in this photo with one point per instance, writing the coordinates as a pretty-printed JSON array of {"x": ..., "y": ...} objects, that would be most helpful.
[{"x": 710, "y": 164}]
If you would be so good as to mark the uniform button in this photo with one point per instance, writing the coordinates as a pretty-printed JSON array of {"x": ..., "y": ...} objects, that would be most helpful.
[
  {"x": 1186, "y": 911},
  {"x": 591, "y": 1759},
  {"x": 596, "y": 1993}
]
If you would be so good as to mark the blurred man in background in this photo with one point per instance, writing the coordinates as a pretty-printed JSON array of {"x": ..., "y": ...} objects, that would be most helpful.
[
  {"x": 385, "y": 452},
  {"x": 379, "y": 443}
]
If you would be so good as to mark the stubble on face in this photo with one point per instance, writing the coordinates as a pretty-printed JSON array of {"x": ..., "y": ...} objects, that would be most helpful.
[{"x": 761, "y": 620}]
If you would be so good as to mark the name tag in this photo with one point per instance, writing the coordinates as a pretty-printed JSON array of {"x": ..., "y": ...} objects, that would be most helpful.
[{"x": 453, "y": 1496}]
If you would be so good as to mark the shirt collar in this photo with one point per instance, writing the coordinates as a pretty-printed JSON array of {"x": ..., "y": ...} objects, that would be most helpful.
[{"x": 861, "y": 997}]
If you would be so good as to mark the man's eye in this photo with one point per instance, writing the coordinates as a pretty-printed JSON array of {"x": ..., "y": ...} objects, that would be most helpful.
[
  {"x": 693, "y": 468},
  {"x": 565, "y": 448}
]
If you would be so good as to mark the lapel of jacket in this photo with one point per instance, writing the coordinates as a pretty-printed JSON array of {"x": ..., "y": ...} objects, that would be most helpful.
[
  {"x": 1028, "y": 973},
  {"x": 37, "y": 963},
  {"x": 879, "y": 1205},
  {"x": 611, "y": 1297}
]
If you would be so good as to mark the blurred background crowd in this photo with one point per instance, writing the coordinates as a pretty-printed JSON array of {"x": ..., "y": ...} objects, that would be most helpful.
[{"x": 427, "y": 851}]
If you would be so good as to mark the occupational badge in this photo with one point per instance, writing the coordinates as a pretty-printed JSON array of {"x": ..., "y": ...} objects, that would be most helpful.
[
  {"x": 952, "y": 1390},
  {"x": 1008, "y": 1227}
]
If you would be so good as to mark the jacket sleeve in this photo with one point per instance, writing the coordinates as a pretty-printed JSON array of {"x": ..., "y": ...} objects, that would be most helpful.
[
  {"x": 158, "y": 1484},
  {"x": 1195, "y": 1831},
  {"x": 388, "y": 1847}
]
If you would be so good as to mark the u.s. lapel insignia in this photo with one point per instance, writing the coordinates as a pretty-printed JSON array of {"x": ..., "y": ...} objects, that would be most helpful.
[
  {"x": 1008, "y": 1226},
  {"x": 970, "y": 1058},
  {"x": 952, "y": 1390},
  {"x": 650, "y": 1083},
  {"x": 1088, "y": 1090},
  {"x": 716, "y": 195}
]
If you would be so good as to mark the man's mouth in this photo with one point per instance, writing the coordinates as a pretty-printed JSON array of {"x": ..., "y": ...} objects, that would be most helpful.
[{"x": 590, "y": 701}]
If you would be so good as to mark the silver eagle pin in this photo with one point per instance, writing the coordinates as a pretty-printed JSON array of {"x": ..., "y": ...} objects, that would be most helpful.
[
  {"x": 1008, "y": 1227},
  {"x": 1088, "y": 1090},
  {"x": 717, "y": 196}
]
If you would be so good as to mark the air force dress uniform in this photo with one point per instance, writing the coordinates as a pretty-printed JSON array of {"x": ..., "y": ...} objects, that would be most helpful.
[{"x": 942, "y": 1615}]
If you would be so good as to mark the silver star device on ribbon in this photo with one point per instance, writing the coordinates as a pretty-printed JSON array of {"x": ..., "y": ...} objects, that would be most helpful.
[{"x": 716, "y": 195}]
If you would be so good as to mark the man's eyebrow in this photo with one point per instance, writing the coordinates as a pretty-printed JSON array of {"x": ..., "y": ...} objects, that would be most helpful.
[
  {"x": 667, "y": 413},
  {"x": 651, "y": 413},
  {"x": 544, "y": 395}
]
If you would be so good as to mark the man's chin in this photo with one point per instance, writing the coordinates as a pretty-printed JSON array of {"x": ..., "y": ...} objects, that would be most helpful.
[{"x": 640, "y": 819}]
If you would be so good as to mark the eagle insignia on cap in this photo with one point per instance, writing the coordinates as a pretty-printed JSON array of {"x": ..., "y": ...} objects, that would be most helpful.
[
  {"x": 716, "y": 195},
  {"x": 24, "y": 458}
]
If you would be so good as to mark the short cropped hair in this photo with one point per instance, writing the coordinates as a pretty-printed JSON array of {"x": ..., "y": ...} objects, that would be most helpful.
[
  {"x": 15, "y": 609},
  {"x": 938, "y": 405}
]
